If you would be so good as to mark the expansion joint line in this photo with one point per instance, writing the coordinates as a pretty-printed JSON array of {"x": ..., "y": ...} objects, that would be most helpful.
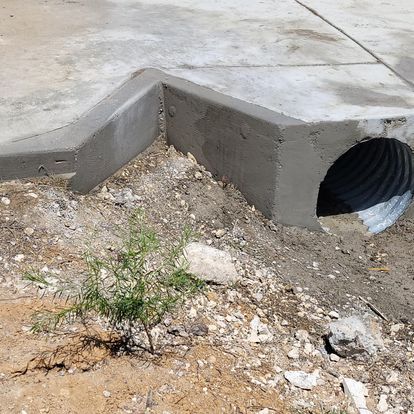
[{"x": 369, "y": 51}]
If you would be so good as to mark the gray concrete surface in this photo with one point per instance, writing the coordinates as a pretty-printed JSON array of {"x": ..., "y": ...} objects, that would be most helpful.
[
  {"x": 271, "y": 95},
  {"x": 61, "y": 58}
]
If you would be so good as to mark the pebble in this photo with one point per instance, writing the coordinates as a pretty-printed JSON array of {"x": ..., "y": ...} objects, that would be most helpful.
[
  {"x": 333, "y": 315},
  {"x": 191, "y": 157},
  {"x": 334, "y": 357},
  {"x": 396, "y": 327},
  {"x": 220, "y": 233},
  {"x": 382, "y": 405},
  {"x": 106, "y": 394},
  {"x": 302, "y": 335},
  {"x": 308, "y": 348},
  {"x": 198, "y": 329},
  {"x": 293, "y": 353},
  {"x": 28, "y": 231},
  {"x": 259, "y": 332},
  {"x": 198, "y": 175},
  {"x": 18, "y": 257},
  {"x": 5, "y": 201}
]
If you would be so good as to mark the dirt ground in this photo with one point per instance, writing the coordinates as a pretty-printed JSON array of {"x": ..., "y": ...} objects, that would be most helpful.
[{"x": 291, "y": 278}]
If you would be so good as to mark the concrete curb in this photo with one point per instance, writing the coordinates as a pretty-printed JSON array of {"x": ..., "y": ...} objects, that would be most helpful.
[{"x": 276, "y": 161}]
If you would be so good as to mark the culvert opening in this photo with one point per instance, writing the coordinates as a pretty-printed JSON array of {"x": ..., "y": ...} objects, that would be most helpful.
[{"x": 373, "y": 179}]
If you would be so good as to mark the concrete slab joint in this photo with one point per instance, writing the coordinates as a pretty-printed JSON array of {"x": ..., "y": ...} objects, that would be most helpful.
[{"x": 278, "y": 162}]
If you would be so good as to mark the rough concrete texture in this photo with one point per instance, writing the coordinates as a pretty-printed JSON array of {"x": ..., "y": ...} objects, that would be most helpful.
[{"x": 277, "y": 92}]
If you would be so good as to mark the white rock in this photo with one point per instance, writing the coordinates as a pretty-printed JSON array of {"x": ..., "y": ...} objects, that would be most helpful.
[
  {"x": 18, "y": 257},
  {"x": 211, "y": 264},
  {"x": 212, "y": 328},
  {"x": 355, "y": 336},
  {"x": 396, "y": 327},
  {"x": 259, "y": 332},
  {"x": 28, "y": 231},
  {"x": 356, "y": 391},
  {"x": 302, "y": 335},
  {"x": 106, "y": 394},
  {"x": 5, "y": 201},
  {"x": 126, "y": 197},
  {"x": 293, "y": 353},
  {"x": 302, "y": 379},
  {"x": 333, "y": 315},
  {"x": 382, "y": 405},
  {"x": 308, "y": 348},
  {"x": 220, "y": 233},
  {"x": 191, "y": 157},
  {"x": 334, "y": 357}
]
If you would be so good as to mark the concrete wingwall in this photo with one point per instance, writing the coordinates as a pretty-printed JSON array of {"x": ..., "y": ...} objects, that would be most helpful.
[{"x": 277, "y": 162}]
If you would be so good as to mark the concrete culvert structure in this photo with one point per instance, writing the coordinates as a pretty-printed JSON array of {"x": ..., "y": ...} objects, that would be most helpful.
[{"x": 373, "y": 179}]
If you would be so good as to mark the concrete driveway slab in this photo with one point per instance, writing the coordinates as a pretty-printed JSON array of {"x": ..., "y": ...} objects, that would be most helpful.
[{"x": 60, "y": 58}]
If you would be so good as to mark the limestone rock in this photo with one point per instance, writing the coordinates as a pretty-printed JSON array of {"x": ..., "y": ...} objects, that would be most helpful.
[
  {"x": 355, "y": 336},
  {"x": 357, "y": 392},
  {"x": 211, "y": 264},
  {"x": 302, "y": 379}
]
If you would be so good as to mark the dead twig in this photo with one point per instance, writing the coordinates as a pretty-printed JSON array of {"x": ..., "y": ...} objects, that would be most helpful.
[{"x": 374, "y": 309}]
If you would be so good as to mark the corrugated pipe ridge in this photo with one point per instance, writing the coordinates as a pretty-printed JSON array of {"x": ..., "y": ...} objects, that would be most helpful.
[{"x": 374, "y": 179}]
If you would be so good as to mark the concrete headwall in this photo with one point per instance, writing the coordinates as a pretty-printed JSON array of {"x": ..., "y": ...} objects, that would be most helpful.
[{"x": 276, "y": 161}]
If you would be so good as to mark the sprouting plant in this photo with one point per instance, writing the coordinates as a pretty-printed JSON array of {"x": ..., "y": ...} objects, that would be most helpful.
[{"x": 131, "y": 289}]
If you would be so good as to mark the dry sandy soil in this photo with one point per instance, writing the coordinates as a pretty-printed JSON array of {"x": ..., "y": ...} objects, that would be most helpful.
[{"x": 291, "y": 278}]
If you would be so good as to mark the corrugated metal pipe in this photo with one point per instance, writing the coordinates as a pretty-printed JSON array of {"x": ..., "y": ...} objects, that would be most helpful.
[{"x": 373, "y": 179}]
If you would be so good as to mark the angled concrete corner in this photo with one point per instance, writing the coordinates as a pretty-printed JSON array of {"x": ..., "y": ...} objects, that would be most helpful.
[
  {"x": 117, "y": 130},
  {"x": 99, "y": 143},
  {"x": 229, "y": 137},
  {"x": 277, "y": 162}
]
